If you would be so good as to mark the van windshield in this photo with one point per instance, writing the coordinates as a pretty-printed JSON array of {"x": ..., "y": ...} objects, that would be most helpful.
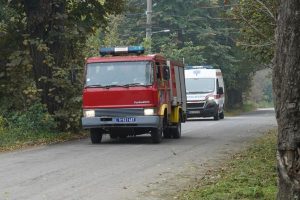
[
  {"x": 119, "y": 74},
  {"x": 200, "y": 85}
]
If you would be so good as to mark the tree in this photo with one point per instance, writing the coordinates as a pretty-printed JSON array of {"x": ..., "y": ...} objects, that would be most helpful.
[
  {"x": 286, "y": 84},
  {"x": 46, "y": 51}
]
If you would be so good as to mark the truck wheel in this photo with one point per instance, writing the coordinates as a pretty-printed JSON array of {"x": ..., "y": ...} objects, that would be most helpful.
[
  {"x": 221, "y": 115},
  {"x": 167, "y": 133},
  {"x": 113, "y": 136},
  {"x": 96, "y": 135},
  {"x": 177, "y": 130},
  {"x": 156, "y": 135}
]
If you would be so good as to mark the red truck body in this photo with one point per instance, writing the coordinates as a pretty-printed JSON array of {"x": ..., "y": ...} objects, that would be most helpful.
[{"x": 117, "y": 104}]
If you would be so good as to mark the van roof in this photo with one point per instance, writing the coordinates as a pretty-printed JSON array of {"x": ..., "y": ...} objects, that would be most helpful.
[{"x": 203, "y": 73}]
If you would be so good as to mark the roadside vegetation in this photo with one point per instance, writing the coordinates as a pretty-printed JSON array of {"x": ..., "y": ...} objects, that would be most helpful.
[
  {"x": 33, "y": 127},
  {"x": 250, "y": 174}
]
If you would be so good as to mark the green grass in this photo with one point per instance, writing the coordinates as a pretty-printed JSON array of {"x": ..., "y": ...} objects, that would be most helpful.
[
  {"x": 247, "y": 107},
  {"x": 249, "y": 175},
  {"x": 17, "y": 138}
]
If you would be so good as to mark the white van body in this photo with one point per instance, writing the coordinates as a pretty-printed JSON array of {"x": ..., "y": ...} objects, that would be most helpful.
[{"x": 205, "y": 92}]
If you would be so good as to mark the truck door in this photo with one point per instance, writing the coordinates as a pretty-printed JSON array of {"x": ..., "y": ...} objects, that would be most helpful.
[{"x": 163, "y": 76}]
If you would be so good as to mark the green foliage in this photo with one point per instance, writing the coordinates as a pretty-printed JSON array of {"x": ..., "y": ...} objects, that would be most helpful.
[
  {"x": 250, "y": 175},
  {"x": 42, "y": 58},
  {"x": 257, "y": 20},
  {"x": 35, "y": 118}
]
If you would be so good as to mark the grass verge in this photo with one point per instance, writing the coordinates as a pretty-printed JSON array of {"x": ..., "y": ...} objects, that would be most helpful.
[
  {"x": 249, "y": 175},
  {"x": 14, "y": 139},
  {"x": 247, "y": 107}
]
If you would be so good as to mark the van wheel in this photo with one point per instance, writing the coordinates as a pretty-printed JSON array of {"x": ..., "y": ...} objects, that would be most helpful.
[
  {"x": 221, "y": 115},
  {"x": 156, "y": 135},
  {"x": 96, "y": 135},
  {"x": 177, "y": 130},
  {"x": 216, "y": 116}
]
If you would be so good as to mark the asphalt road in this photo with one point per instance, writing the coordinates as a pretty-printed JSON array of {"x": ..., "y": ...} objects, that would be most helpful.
[{"x": 131, "y": 168}]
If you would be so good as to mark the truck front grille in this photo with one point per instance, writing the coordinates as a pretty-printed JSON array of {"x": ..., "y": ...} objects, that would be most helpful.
[{"x": 120, "y": 112}]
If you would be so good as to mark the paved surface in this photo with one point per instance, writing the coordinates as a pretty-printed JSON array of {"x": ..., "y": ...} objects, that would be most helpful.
[{"x": 131, "y": 168}]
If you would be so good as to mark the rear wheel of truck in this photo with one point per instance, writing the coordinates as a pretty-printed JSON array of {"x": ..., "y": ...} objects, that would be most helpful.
[
  {"x": 168, "y": 133},
  {"x": 96, "y": 135},
  {"x": 176, "y": 132}
]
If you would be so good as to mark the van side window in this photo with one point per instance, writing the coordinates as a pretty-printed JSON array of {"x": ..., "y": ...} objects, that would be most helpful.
[{"x": 217, "y": 84}]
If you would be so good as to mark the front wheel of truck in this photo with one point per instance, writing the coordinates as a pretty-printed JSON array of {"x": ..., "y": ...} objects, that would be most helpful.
[
  {"x": 96, "y": 135},
  {"x": 156, "y": 135}
]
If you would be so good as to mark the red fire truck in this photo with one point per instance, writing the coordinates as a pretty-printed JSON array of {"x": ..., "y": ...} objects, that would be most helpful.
[{"x": 127, "y": 93}]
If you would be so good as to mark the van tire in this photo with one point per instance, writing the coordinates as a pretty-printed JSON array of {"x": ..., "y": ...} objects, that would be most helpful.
[
  {"x": 96, "y": 135},
  {"x": 221, "y": 115},
  {"x": 216, "y": 116}
]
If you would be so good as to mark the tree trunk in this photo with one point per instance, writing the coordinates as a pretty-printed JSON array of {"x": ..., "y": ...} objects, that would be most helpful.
[
  {"x": 42, "y": 20},
  {"x": 286, "y": 86},
  {"x": 234, "y": 98}
]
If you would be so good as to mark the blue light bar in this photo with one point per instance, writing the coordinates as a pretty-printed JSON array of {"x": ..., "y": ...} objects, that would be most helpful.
[{"x": 122, "y": 50}]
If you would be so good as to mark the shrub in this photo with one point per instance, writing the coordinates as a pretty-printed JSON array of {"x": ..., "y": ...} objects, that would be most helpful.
[{"x": 35, "y": 118}]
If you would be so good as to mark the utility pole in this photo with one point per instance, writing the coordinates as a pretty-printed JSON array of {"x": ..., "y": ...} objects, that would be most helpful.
[{"x": 149, "y": 17}]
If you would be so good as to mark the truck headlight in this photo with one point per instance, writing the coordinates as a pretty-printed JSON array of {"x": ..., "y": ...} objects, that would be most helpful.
[
  {"x": 149, "y": 111},
  {"x": 89, "y": 113}
]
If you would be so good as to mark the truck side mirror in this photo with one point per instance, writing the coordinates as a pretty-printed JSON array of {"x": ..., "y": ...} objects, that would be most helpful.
[
  {"x": 220, "y": 90},
  {"x": 166, "y": 73}
]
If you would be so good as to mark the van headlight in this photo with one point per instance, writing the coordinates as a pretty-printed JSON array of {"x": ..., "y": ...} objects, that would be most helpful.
[
  {"x": 89, "y": 113},
  {"x": 149, "y": 111},
  {"x": 210, "y": 98}
]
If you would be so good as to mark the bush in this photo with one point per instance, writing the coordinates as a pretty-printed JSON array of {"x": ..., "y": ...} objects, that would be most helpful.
[
  {"x": 35, "y": 118},
  {"x": 3, "y": 123}
]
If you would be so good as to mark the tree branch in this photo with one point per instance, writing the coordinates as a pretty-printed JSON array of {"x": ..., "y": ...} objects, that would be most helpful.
[{"x": 267, "y": 9}]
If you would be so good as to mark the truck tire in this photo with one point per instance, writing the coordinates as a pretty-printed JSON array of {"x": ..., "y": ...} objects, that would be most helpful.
[
  {"x": 168, "y": 133},
  {"x": 156, "y": 135},
  {"x": 176, "y": 132},
  {"x": 96, "y": 135}
]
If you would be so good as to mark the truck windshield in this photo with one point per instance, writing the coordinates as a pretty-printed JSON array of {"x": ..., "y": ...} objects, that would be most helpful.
[
  {"x": 119, "y": 74},
  {"x": 200, "y": 85}
]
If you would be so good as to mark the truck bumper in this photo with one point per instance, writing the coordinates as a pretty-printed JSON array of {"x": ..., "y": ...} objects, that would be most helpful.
[
  {"x": 121, "y": 122},
  {"x": 202, "y": 112}
]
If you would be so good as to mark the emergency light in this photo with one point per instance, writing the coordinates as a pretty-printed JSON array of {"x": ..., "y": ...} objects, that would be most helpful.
[{"x": 122, "y": 50}]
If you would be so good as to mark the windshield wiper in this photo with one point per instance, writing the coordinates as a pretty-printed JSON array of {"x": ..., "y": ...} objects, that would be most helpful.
[
  {"x": 114, "y": 85},
  {"x": 135, "y": 84},
  {"x": 94, "y": 86}
]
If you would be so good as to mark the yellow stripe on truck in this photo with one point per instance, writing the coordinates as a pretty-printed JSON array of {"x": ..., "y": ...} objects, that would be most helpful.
[
  {"x": 175, "y": 114},
  {"x": 162, "y": 109}
]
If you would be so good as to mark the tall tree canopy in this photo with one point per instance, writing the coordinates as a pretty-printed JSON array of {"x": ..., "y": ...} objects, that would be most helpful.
[{"x": 42, "y": 48}]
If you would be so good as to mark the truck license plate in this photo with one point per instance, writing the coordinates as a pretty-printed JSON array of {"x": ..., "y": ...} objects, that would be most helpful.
[
  {"x": 125, "y": 119},
  {"x": 194, "y": 112}
]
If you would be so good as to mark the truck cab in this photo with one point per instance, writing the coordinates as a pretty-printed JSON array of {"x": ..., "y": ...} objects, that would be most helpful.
[
  {"x": 205, "y": 92},
  {"x": 127, "y": 93}
]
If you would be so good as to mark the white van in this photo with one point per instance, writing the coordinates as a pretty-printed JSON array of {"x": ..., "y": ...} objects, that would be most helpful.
[{"x": 205, "y": 92}]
